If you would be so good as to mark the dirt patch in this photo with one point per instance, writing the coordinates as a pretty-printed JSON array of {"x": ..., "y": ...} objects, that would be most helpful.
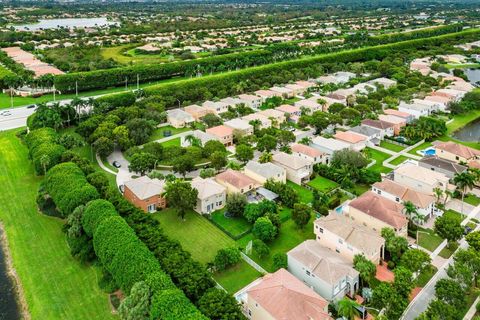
[{"x": 12, "y": 273}]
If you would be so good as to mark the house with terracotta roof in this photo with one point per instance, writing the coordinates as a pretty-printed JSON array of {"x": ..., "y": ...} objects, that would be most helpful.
[
  {"x": 461, "y": 85},
  {"x": 349, "y": 238},
  {"x": 405, "y": 115},
  {"x": 179, "y": 118},
  {"x": 421, "y": 179},
  {"x": 306, "y": 84},
  {"x": 327, "y": 272},
  {"x": 356, "y": 142},
  {"x": 454, "y": 95},
  {"x": 387, "y": 128},
  {"x": 267, "y": 94},
  {"x": 447, "y": 167},
  {"x": 240, "y": 126},
  {"x": 290, "y": 112},
  {"x": 416, "y": 109},
  {"x": 296, "y": 89},
  {"x": 211, "y": 195},
  {"x": 281, "y": 296},
  {"x": 276, "y": 116},
  {"x": 196, "y": 111},
  {"x": 443, "y": 102},
  {"x": 263, "y": 120},
  {"x": 145, "y": 193},
  {"x": 298, "y": 170},
  {"x": 456, "y": 152},
  {"x": 251, "y": 100},
  {"x": 223, "y": 133},
  {"x": 391, "y": 190},
  {"x": 308, "y": 153},
  {"x": 261, "y": 172},
  {"x": 285, "y": 92},
  {"x": 397, "y": 122},
  {"x": 377, "y": 212},
  {"x": 236, "y": 182}
]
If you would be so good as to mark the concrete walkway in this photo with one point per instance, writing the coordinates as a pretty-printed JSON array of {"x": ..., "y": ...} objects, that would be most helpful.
[
  {"x": 104, "y": 167},
  {"x": 473, "y": 309}
]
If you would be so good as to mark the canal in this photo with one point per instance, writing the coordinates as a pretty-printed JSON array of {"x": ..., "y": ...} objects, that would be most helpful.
[{"x": 9, "y": 309}]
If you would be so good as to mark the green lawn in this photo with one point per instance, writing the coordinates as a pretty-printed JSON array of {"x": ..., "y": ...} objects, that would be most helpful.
[
  {"x": 379, "y": 158},
  {"x": 399, "y": 160},
  {"x": 289, "y": 237},
  {"x": 360, "y": 189},
  {"x": 158, "y": 133},
  {"x": 425, "y": 276},
  {"x": 171, "y": 142},
  {"x": 235, "y": 226},
  {"x": 472, "y": 199},
  {"x": 236, "y": 277},
  {"x": 305, "y": 195},
  {"x": 448, "y": 251},
  {"x": 430, "y": 240},
  {"x": 322, "y": 184},
  {"x": 196, "y": 234},
  {"x": 56, "y": 285},
  {"x": 420, "y": 147},
  {"x": 391, "y": 146}
]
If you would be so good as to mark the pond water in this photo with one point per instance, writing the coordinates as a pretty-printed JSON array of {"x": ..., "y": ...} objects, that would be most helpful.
[
  {"x": 471, "y": 132},
  {"x": 66, "y": 23},
  {"x": 473, "y": 75},
  {"x": 8, "y": 303}
]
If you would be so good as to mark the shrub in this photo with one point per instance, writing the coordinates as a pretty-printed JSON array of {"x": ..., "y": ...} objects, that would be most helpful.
[
  {"x": 226, "y": 258},
  {"x": 260, "y": 248},
  {"x": 96, "y": 212},
  {"x": 280, "y": 260},
  {"x": 264, "y": 229}
]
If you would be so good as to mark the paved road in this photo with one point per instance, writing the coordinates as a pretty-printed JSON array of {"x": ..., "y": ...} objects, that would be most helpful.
[{"x": 420, "y": 303}]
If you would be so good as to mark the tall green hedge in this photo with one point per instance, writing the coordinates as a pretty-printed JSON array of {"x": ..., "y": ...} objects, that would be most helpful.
[
  {"x": 43, "y": 148},
  {"x": 100, "y": 79},
  {"x": 95, "y": 212},
  {"x": 68, "y": 187}
]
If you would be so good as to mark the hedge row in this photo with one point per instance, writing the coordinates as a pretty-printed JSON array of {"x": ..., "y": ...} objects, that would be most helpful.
[
  {"x": 4, "y": 72},
  {"x": 415, "y": 34},
  {"x": 100, "y": 79},
  {"x": 68, "y": 187},
  {"x": 129, "y": 261},
  {"x": 221, "y": 85},
  {"x": 44, "y": 150}
]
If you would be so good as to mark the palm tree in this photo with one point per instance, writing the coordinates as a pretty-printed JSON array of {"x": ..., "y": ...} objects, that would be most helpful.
[
  {"x": 265, "y": 157},
  {"x": 44, "y": 162},
  {"x": 348, "y": 308},
  {"x": 306, "y": 141},
  {"x": 409, "y": 209},
  {"x": 255, "y": 124},
  {"x": 194, "y": 141},
  {"x": 438, "y": 194},
  {"x": 464, "y": 181}
]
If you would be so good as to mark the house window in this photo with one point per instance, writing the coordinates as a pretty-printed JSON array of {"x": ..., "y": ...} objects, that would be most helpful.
[
  {"x": 457, "y": 158},
  {"x": 336, "y": 249},
  {"x": 321, "y": 230},
  {"x": 151, "y": 208},
  {"x": 249, "y": 312},
  {"x": 340, "y": 241},
  {"x": 307, "y": 272},
  {"x": 379, "y": 192},
  {"x": 397, "y": 199}
]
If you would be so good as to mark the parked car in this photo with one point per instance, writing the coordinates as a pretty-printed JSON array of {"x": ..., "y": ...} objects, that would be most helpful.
[
  {"x": 467, "y": 230},
  {"x": 116, "y": 164},
  {"x": 30, "y": 106}
]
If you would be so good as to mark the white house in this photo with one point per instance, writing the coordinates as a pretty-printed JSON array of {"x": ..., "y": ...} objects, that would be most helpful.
[
  {"x": 261, "y": 172},
  {"x": 308, "y": 153},
  {"x": 217, "y": 107},
  {"x": 421, "y": 179},
  {"x": 250, "y": 100},
  {"x": 211, "y": 195},
  {"x": 179, "y": 118},
  {"x": 241, "y": 126},
  {"x": 298, "y": 170}
]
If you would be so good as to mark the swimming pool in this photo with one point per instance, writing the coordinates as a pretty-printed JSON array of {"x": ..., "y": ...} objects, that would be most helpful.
[
  {"x": 428, "y": 152},
  {"x": 339, "y": 209}
]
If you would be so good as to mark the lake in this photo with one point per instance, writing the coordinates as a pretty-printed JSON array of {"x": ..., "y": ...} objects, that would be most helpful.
[
  {"x": 8, "y": 302},
  {"x": 66, "y": 23},
  {"x": 473, "y": 75},
  {"x": 471, "y": 132}
]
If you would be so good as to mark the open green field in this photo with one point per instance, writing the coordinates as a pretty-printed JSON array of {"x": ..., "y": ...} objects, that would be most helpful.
[
  {"x": 305, "y": 195},
  {"x": 379, "y": 158},
  {"x": 428, "y": 239},
  {"x": 196, "y": 234},
  {"x": 56, "y": 285},
  {"x": 398, "y": 160},
  {"x": 322, "y": 184},
  {"x": 236, "y": 277},
  {"x": 125, "y": 54},
  {"x": 235, "y": 226},
  {"x": 172, "y": 142},
  {"x": 288, "y": 238},
  {"x": 158, "y": 133},
  {"x": 462, "y": 65},
  {"x": 391, "y": 146},
  {"x": 472, "y": 199}
]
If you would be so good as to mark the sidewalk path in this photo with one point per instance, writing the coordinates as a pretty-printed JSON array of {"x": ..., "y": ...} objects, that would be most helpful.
[
  {"x": 104, "y": 167},
  {"x": 473, "y": 309}
]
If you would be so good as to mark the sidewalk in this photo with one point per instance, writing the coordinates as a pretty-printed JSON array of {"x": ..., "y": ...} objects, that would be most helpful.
[{"x": 473, "y": 309}]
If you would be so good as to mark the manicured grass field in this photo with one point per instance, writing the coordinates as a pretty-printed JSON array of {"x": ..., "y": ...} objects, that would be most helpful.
[
  {"x": 399, "y": 160},
  {"x": 235, "y": 226},
  {"x": 56, "y": 285},
  {"x": 379, "y": 157},
  {"x": 196, "y": 234},
  {"x": 305, "y": 195},
  {"x": 236, "y": 277},
  {"x": 425, "y": 276},
  {"x": 288, "y": 238},
  {"x": 360, "y": 188},
  {"x": 430, "y": 240},
  {"x": 171, "y": 142},
  {"x": 158, "y": 133},
  {"x": 391, "y": 146},
  {"x": 472, "y": 199},
  {"x": 322, "y": 184},
  {"x": 420, "y": 147}
]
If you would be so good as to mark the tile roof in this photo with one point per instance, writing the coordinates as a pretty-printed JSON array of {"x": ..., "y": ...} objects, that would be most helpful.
[
  {"x": 397, "y": 113},
  {"x": 420, "y": 173},
  {"x": 458, "y": 149},
  {"x": 379, "y": 124},
  {"x": 286, "y": 108},
  {"x": 349, "y": 137},
  {"x": 285, "y": 297},
  {"x": 266, "y": 170},
  {"x": 220, "y": 131},
  {"x": 207, "y": 187},
  {"x": 391, "y": 119},
  {"x": 306, "y": 150},
  {"x": 444, "y": 164},
  {"x": 290, "y": 161},
  {"x": 357, "y": 235},
  {"x": 324, "y": 263},
  {"x": 235, "y": 178},
  {"x": 144, "y": 187},
  {"x": 380, "y": 208},
  {"x": 421, "y": 200}
]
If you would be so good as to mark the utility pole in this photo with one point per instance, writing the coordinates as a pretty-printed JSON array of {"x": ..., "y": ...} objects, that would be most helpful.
[
  {"x": 126, "y": 83},
  {"x": 54, "y": 93},
  {"x": 11, "y": 97},
  {"x": 76, "y": 88},
  {"x": 138, "y": 82}
]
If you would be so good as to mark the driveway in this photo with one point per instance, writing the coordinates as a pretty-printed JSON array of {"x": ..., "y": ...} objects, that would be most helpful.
[
  {"x": 123, "y": 174},
  {"x": 456, "y": 205}
]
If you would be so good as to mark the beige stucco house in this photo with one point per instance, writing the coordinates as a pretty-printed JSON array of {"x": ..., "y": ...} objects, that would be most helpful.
[
  {"x": 298, "y": 170},
  {"x": 211, "y": 195},
  {"x": 421, "y": 179},
  {"x": 236, "y": 181},
  {"x": 223, "y": 134},
  {"x": 179, "y": 118},
  {"x": 261, "y": 172},
  {"x": 456, "y": 152}
]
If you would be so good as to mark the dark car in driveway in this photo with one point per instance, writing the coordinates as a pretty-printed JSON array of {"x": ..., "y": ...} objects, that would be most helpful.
[{"x": 116, "y": 164}]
